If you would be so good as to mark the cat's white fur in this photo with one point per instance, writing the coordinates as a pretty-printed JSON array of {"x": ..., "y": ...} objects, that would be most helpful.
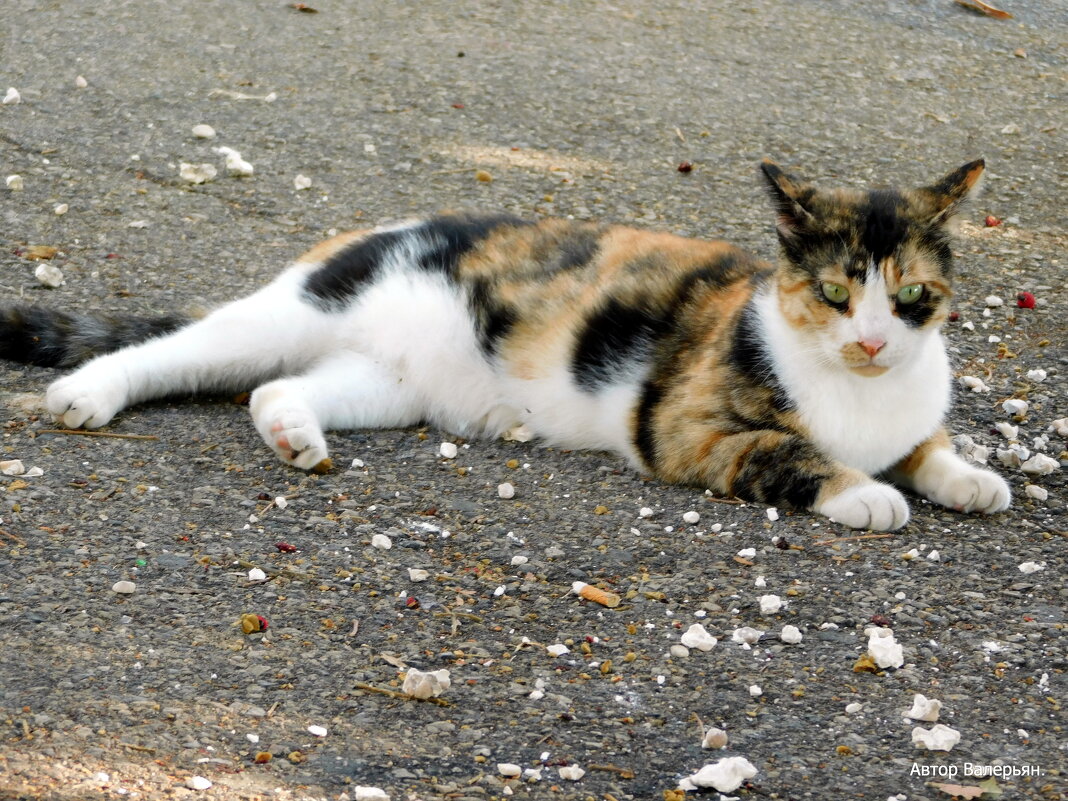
[{"x": 406, "y": 350}]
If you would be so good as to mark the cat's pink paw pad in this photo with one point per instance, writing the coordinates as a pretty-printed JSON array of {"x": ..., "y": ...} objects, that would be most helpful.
[{"x": 297, "y": 438}]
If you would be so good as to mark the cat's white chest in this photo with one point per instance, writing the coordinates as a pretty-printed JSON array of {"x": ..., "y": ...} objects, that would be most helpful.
[{"x": 872, "y": 423}]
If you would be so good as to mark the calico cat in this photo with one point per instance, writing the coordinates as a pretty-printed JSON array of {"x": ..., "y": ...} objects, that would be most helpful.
[{"x": 795, "y": 384}]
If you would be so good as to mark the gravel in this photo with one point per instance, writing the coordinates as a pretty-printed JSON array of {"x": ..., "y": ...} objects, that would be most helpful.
[{"x": 400, "y": 109}]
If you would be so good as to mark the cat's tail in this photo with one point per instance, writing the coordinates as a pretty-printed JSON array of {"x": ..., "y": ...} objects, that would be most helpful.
[{"x": 50, "y": 338}]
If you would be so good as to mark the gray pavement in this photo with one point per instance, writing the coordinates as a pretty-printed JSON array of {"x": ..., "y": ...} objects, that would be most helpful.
[{"x": 583, "y": 109}]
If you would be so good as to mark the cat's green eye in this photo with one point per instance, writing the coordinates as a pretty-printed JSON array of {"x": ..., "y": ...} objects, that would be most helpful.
[
  {"x": 835, "y": 293},
  {"x": 910, "y": 294}
]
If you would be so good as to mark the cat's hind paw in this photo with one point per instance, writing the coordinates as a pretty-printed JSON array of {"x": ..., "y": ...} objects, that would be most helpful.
[
  {"x": 87, "y": 398},
  {"x": 970, "y": 489},
  {"x": 872, "y": 505},
  {"x": 297, "y": 439}
]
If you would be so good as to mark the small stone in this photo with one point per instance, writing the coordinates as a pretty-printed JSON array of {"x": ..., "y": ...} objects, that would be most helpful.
[
  {"x": 557, "y": 649},
  {"x": 1040, "y": 465},
  {"x": 203, "y": 131},
  {"x": 301, "y": 182},
  {"x": 362, "y": 792},
  {"x": 993, "y": 301},
  {"x": 726, "y": 775},
  {"x": 505, "y": 490},
  {"x": 60, "y": 209},
  {"x": 1015, "y": 406},
  {"x": 417, "y": 574},
  {"x": 49, "y": 275},
  {"x": 938, "y": 738},
  {"x": 691, "y": 517},
  {"x": 1036, "y": 492},
  {"x": 1007, "y": 430},
  {"x": 381, "y": 542},
  {"x": 123, "y": 587},
  {"x": 790, "y": 635},
  {"x": 645, "y": 511},
  {"x": 483, "y": 176},
  {"x": 883, "y": 649},
  {"x": 747, "y": 553},
  {"x": 255, "y": 574},
  {"x": 772, "y": 513},
  {"x": 197, "y": 173},
  {"x": 924, "y": 708},
  {"x": 235, "y": 165},
  {"x": 714, "y": 738},
  {"x": 80, "y": 82},
  {"x": 318, "y": 731},
  {"x": 756, "y": 690},
  {"x": 519, "y": 559},
  {"x": 696, "y": 636},
  {"x": 430, "y": 684},
  {"x": 281, "y": 502},
  {"x": 974, "y": 384},
  {"x": 1038, "y": 375},
  {"x": 12, "y": 467},
  {"x": 571, "y": 773},
  {"x": 934, "y": 556},
  {"x": 747, "y": 635},
  {"x": 679, "y": 651},
  {"x": 198, "y": 783},
  {"x": 770, "y": 604},
  {"x": 853, "y": 708},
  {"x": 509, "y": 769},
  {"x": 448, "y": 450},
  {"x": 15, "y": 183},
  {"x": 12, "y": 98},
  {"x": 1031, "y": 567}
]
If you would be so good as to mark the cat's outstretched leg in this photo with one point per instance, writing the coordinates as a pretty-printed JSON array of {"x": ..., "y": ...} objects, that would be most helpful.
[
  {"x": 345, "y": 390},
  {"x": 934, "y": 471},
  {"x": 234, "y": 348}
]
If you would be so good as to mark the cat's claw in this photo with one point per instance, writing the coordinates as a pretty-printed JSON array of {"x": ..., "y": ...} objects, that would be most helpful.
[
  {"x": 970, "y": 489},
  {"x": 874, "y": 506},
  {"x": 86, "y": 398}
]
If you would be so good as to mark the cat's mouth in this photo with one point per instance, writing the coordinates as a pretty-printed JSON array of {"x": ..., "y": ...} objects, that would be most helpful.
[{"x": 869, "y": 370}]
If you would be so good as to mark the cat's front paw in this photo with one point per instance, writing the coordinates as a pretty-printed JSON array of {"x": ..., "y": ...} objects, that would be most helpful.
[
  {"x": 968, "y": 489},
  {"x": 87, "y": 398},
  {"x": 872, "y": 505},
  {"x": 295, "y": 436}
]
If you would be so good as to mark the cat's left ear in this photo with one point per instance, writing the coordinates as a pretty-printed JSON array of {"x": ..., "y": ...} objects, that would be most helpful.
[{"x": 941, "y": 200}]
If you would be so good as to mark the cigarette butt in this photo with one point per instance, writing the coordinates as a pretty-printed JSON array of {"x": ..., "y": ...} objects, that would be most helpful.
[{"x": 590, "y": 593}]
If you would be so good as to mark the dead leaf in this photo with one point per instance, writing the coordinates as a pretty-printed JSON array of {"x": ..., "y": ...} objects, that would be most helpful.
[
  {"x": 304, "y": 8},
  {"x": 984, "y": 8},
  {"x": 865, "y": 665},
  {"x": 958, "y": 790},
  {"x": 743, "y": 561},
  {"x": 991, "y": 789},
  {"x": 40, "y": 252},
  {"x": 17, "y": 484}
]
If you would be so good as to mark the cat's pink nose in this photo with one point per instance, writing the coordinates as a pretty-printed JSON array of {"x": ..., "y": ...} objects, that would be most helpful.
[{"x": 872, "y": 346}]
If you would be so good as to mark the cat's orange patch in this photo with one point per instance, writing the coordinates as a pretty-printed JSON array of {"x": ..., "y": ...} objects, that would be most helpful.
[{"x": 327, "y": 248}]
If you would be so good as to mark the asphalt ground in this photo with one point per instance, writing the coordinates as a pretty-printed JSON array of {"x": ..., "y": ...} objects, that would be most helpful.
[{"x": 401, "y": 109}]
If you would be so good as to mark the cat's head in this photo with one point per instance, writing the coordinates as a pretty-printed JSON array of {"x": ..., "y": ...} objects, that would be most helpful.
[{"x": 864, "y": 277}]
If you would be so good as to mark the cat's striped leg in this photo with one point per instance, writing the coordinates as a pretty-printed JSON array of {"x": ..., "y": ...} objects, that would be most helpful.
[
  {"x": 785, "y": 469},
  {"x": 934, "y": 471},
  {"x": 346, "y": 390}
]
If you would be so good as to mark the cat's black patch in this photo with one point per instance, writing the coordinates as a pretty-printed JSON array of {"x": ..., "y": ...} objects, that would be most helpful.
[
  {"x": 493, "y": 319},
  {"x": 884, "y": 224},
  {"x": 437, "y": 244},
  {"x": 775, "y": 475},
  {"x": 917, "y": 314},
  {"x": 576, "y": 251},
  {"x": 644, "y": 436},
  {"x": 750, "y": 358},
  {"x": 613, "y": 336}
]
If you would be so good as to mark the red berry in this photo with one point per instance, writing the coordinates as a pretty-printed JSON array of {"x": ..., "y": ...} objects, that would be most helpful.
[
  {"x": 954, "y": 316},
  {"x": 1025, "y": 300},
  {"x": 992, "y": 221},
  {"x": 285, "y": 547},
  {"x": 685, "y": 167},
  {"x": 263, "y": 622}
]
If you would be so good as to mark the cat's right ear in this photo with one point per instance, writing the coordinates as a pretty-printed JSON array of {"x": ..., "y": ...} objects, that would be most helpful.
[{"x": 791, "y": 196}]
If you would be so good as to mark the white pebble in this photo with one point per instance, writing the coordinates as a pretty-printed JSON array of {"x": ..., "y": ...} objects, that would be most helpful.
[
  {"x": 756, "y": 690},
  {"x": 696, "y": 636},
  {"x": 505, "y": 490},
  {"x": 302, "y": 182},
  {"x": 853, "y": 708},
  {"x": 1016, "y": 406},
  {"x": 123, "y": 587},
  {"x": 571, "y": 773},
  {"x": 281, "y": 502},
  {"x": 924, "y": 708},
  {"x": 418, "y": 574},
  {"x": 770, "y": 604},
  {"x": 994, "y": 301},
  {"x": 12, "y": 97},
  {"x": 15, "y": 183},
  {"x": 80, "y": 82},
  {"x": 255, "y": 574},
  {"x": 318, "y": 731},
  {"x": 557, "y": 649},
  {"x": 747, "y": 635},
  {"x": 382, "y": 542},
  {"x": 363, "y": 792},
  {"x": 973, "y": 383},
  {"x": 760, "y": 582},
  {"x": 519, "y": 559},
  {"x": 993, "y": 338},
  {"x": 969, "y": 325},
  {"x": 1007, "y": 430},
  {"x": 715, "y": 528},
  {"x": 747, "y": 553},
  {"x": 509, "y": 769},
  {"x": 645, "y": 511},
  {"x": 1040, "y": 465},
  {"x": 934, "y": 556},
  {"x": 426, "y": 685},
  {"x": 679, "y": 651},
  {"x": 357, "y": 463},
  {"x": 691, "y": 517},
  {"x": 1032, "y": 567},
  {"x": 882, "y": 648},
  {"x": 198, "y": 783},
  {"x": 726, "y": 775},
  {"x": 791, "y": 635},
  {"x": 49, "y": 275},
  {"x": 252, "y": 738},
  {"x": 1036, "y": 492},
  {"x": 448, "y": 450},
  {"x": 12, "y": 467},
  {"x": 714, "y": 738},
  {"x": 197, "y": 173},
  {"x": 34, "y": 472},
  {"x": 1059, "y": 427},
  {"x": 520, "y": 433},
  {"x": 1038, "y": 375},
  {"x": 499, "y": 591},
  {"x": 938, "y": 738},
  {"x": 60, "y": 209},
  {"x": 772, "y": 513},
  {"x": 203, "y": 131}
]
